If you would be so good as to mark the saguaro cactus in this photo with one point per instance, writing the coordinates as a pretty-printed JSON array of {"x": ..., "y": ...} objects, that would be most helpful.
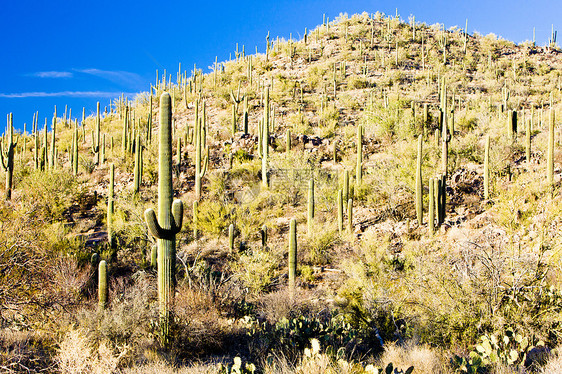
[
  {"x": 359, "y": 169},
  {"x": 169, "y": 221},
  {"x": 138, "y": 165},
  {"x": 96, "y": 138},
  {"x": 102, "y": 284},
  {"x": 419, "y": 183},
  {"x": 231, "y": 237},
  {"x": 350, "y": 215},
  {"x": 110, "y": 206},
  {"x": 339, "y": 204},
  {"x": 265, "y": 139},
  {"x": 7, "y": 148},
  {"x": 292, "y": 253},
  {"x": 431, "y": 218},
  {"x": 200, "y": 167}
]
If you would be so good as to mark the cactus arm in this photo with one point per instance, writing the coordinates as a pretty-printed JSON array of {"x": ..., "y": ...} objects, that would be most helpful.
[
  {"x": 177, "y": 213},
  {"x": 205, "y": 162},
  {"x": 3, "y": 159},
  {"x": 153, "y": 226}
]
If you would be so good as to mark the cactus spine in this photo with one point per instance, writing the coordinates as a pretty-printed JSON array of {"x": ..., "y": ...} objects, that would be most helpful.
[
  {"x": 169, "y": 220},
  {"x": 292, "y": 254},
  {"x": 310, "y": 216},
  {"x": 7, "y": 149},
  {"x": 102, "y": 284},
  {"x": 550, "y": 161},
  {"x": 419, "y": 183}
]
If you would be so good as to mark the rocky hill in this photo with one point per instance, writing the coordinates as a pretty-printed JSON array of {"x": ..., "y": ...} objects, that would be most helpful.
[{"x": 421, "y": 167}]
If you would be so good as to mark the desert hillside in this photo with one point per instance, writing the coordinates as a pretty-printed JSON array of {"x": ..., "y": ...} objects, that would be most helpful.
[{"x": 379, "y": 196}]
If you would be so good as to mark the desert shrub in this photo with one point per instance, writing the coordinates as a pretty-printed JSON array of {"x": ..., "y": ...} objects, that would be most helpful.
[{"x": 50, "y": 195}]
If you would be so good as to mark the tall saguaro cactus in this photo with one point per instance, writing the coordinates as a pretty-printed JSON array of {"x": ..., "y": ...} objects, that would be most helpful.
[
  {"x": 419, "y": 183},
  {"x": 310, "y": 205},
  {"x": 292, "y": 254},
  {"x": 359, "y": 167},
  {"x": 102, "y": 284},
  {"x": 169, "y": 221},
  {"x": 7, "y": 148},
  {"x": 110, "y": 206},
  {"x": 265, "y": 138}
]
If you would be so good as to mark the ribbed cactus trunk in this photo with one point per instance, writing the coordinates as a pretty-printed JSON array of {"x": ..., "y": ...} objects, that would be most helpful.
[
  {"x": 288, "y": 141},
  {"x": 265, "y": 138},
  {"x": 419, "y": 183},
  {"x": 310, "y": 216},
  {"x": 339, "y": 203},
  {"x": 110, "y": 206},
  {"x": 96, "y": 148},
  {"x": 359, "y": 166},
  {"x": 138, "y": 165},
  {"x": 102, "y": 285},
  {"x": 169, "y": 220},
  {"x": 292, "y": 254},
  {"x": 350, "y": 215},
  {"x": 231, "y": 237},
  {"x": 431, "y": 217}
]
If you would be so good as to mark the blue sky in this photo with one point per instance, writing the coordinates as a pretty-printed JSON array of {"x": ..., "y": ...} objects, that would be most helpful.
[{"x": 76, "y": 53}]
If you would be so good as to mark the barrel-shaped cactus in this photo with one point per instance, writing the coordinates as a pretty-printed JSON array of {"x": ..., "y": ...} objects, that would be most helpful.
[{"x": 169, "y": 221}]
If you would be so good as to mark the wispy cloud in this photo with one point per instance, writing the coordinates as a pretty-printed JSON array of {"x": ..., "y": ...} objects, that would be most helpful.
[
  {"x": 52, "y": 74},
  {"x": 116, "y": 76},
  {"x": 64, "y": 94}
]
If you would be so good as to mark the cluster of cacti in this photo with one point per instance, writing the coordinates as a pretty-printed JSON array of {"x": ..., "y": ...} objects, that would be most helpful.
[
  {"x": 169, "y": 221},
  {"x": 7, "y": 152}
]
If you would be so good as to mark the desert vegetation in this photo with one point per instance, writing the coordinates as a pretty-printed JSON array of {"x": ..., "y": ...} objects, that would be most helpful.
[{"x": 378, "y": 196}]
